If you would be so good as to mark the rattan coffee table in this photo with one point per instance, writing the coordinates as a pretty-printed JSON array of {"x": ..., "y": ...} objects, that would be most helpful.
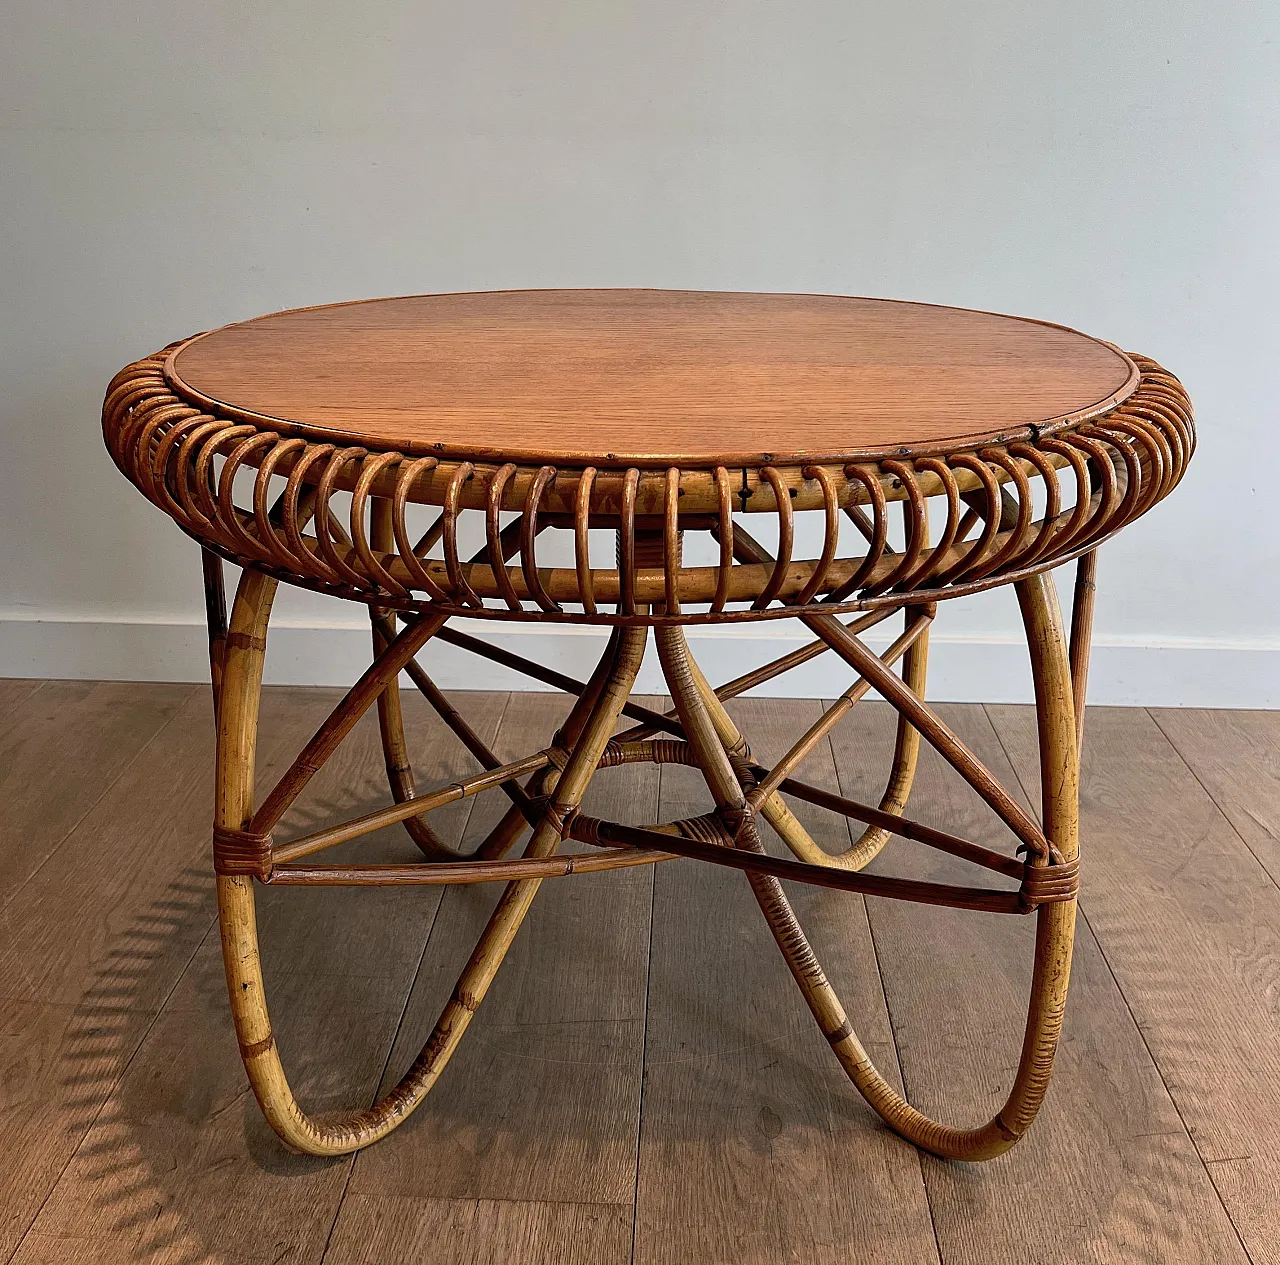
[{"x": 353, "y": 449}]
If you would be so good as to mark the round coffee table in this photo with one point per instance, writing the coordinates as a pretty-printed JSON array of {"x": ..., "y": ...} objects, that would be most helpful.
[{"x": 310, "y": 447}]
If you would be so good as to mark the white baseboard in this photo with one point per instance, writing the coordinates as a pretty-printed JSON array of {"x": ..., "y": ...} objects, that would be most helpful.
[{"x": 1130, "y": 672}]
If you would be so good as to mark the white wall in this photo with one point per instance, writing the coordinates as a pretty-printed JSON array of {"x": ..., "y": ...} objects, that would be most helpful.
[{"x": 165, "y": 168}]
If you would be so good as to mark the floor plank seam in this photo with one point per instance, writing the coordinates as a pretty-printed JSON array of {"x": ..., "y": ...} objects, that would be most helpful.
[
  {"x": 644, "y": 1036},
  {"x": 106, "y": 1098},
  {"x": 1173, "y": 1102},
  {"x": 106, "y": 790},
  {"x": 26, "y": 698},
  {"x": 1212, "y": 798},
  {"x": 1082, "y": 914},
  {"x": 404, "y": 1010},
  {"x": 902, "y": 1077},
  {"x": 888, "y": 1009}
]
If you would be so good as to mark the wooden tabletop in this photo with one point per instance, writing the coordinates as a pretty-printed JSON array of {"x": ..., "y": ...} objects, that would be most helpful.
[{"x": 644, "y": 376}]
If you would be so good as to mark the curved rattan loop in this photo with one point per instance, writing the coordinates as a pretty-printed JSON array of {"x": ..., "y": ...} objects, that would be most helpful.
[
  {"x": 171, "y": 474},
  {"x": 1154, "y": 414},
  {"x": 1102, "y": 478},
  {"x": 150, "y": 417},
  {"x": 1161, "y": 397},
  {"x": 1023, "y": 509},
  {"x": 582, "y": 540},
  {"x": 878, "y": 538},
  {"x": 420, "y": 577},
  {"x": 1066, "y": 533},
  {"x": 1049, "y": 520},
  {"x": 206, "y": 484},
  {"x": 243, "y": 541},
  {"x": 915, "y": 526},
  {"x": 724, "y": 536},
  {"x": 459, "y": 587},
  {"x": 529, "y": 537},
  {"x": 295, "y": 519},
  {"x": 830, "y": 532},
  {"x": 269, "y": 533},
  {"x": 183, "y": 482},
  {"x": 671, "y": 541},
  {"x": 786, "y": 537},
  {"x": 493, "y": 533},
  {"x": 327, "y": 524},
  {"x": 369, "y": 474},
  {"x": 951, "y": 490},
  {"x": 627, "y": 544},
  {"x": 1132, "y": 492},
  {"x": 1158, "y": 454},
  {"x": 988, "y": 509}
]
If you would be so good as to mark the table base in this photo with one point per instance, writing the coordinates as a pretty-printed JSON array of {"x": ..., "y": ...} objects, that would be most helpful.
[{"x": 546, "y": 790}]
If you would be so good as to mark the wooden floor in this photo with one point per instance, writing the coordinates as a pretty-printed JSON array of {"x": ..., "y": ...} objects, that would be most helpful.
[{"x": 643, "y": 1082}]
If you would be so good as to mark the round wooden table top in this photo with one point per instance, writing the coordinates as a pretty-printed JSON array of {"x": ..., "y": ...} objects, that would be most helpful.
[{"x": 615, "y": 377}]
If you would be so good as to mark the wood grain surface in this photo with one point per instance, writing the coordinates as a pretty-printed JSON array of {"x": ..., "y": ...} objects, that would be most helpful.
[
  {"x": 752, "y": 1140},
  {"x": 659, "y": 1093},
  {"x": 542, "y": 1100},
  {"x": 88, "y": 732},
  {"x": 1190, "y": 924},
  {"x": 644, "y": 375},
  {"x": 92, "y": 947},
  {"x": 1236, "y": 757},
  {"x": 957, "y": 986}
]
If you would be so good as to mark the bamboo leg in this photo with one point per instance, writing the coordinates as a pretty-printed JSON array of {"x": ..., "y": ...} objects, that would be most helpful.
[
  {"x": 902, "y": 773},
  {"x": 671, "y": 643},
  {"x": 906, "y": 749},
  {"x": 1055, "y": 922},
  {"x": 775, "y": 810},
  {"x": 390, "y": 711},
  {"x": 1082, "y": 633},
  {"x": 215, "y": 610},
  {"x": 237, "y": 737}
]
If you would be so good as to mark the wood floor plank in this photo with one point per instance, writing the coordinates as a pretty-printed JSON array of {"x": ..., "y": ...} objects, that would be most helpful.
[
  {"x": 541, "y": 1100},
  {"x": 1127, "y": 1184},
  {"x": 1190, "y": 924},
  {"x": 180, "y": 1163},
  {"x": 479, "y": 1232},
  {"x": 127, "y": 1126},
  {"x": 61, "y": 747},
  {"x": 13, "y": 690},
  {"x": 754, "y": 1147},
  {"x": 100, "y": 935},
  {"x": 1236, "y": 757}
]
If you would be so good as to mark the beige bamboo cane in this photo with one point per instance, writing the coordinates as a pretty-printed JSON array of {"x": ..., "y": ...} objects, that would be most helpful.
[
  {"x": 906, "y": 748},
  {"x": 902, "y": 772},
  {"x": 1055, "y": 922},
  {"x": 390, "y": 709},
  {"x": 1082, "y": 633},
  {"x": 237, "y": 733}
]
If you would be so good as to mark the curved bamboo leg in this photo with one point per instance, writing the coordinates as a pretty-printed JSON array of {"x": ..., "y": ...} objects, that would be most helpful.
[
  {"x": 902, "y": 773},
  {"x": 1082, "y": 633},
  {"x": 1055, "y": 927},
  {"x": 395, "y": 750},
  {"x": 906, "y": 754},
  {"x": 671, "y": 643},
  {"x": 237, "y": 736}
]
